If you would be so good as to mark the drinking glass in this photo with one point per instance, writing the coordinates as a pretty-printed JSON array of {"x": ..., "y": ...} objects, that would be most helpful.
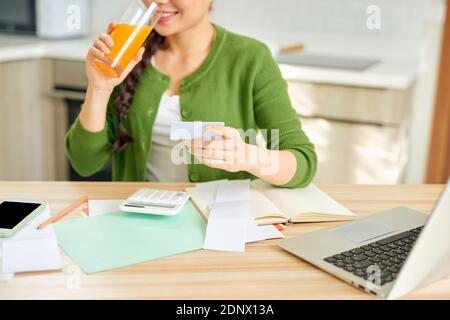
[{"x": 129, "y": 35}]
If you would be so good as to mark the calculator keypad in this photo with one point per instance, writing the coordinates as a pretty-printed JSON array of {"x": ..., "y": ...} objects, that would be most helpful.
[{"x": 158, "y": 196}]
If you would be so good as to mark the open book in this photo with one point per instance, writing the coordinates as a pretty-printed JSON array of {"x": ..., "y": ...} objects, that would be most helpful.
[{"x": 271, "y": 205}]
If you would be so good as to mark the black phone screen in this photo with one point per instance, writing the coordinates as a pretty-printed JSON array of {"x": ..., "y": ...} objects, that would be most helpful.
[{"x": 12, "y": 213}]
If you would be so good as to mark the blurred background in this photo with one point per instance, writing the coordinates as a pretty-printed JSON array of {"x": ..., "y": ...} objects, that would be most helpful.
[{"x": 369, "y": 80}]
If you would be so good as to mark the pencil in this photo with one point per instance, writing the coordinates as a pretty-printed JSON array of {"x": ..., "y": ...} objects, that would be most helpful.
[
  {"x": 63, "y": 212},
  {"x": 292, "y": 48}
]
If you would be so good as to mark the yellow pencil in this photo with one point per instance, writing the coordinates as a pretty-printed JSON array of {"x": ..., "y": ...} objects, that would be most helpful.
[{"x": 63, "y": 212}]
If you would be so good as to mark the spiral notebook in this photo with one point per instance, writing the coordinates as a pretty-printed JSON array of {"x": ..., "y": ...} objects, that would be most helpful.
[{"x": 271, "y": 205}]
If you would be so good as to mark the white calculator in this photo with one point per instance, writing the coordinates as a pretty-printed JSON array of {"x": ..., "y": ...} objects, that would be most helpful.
[{"x": 155, "y": 201}]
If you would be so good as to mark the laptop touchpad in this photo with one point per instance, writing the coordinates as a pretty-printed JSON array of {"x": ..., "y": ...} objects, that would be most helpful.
[{"x": 363, "y": 230}]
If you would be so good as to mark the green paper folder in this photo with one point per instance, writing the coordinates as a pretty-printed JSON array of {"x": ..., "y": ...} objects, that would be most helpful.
[{"x": 121, "y": 239}]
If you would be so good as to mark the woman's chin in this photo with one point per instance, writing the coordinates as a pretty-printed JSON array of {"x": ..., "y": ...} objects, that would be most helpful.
[{"x": 166, "y": 30}]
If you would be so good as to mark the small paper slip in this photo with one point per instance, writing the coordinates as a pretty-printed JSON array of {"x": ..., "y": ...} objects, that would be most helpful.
[
  {"x": 191, "y": 130},
  {"x": 227, "y": 227},
  {"x": 259, "y": 233},
  {"x": 233, "y": 191},
  {"x": 31, "y": 255},
  {"x": 272, "y": 205},
  {"x": 230, "y": 225},
  {"x": 4, "y": 277},
  {"x": 208, "y": 190},
  {"x": 31, "y": 249},
  {"x": 98, "y": 207}
]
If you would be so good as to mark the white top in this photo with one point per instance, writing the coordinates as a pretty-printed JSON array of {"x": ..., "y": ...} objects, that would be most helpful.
[{"x": 167, "y": 161}]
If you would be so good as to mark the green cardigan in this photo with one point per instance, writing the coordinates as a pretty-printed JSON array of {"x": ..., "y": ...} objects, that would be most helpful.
[{"x": 238, "y": 83}]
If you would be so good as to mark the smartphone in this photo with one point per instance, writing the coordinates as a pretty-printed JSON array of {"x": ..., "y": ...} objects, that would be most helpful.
[{"x": 15, "y": 214}]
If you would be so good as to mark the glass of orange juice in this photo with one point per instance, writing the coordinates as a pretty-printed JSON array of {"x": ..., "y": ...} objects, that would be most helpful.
[{"x": 129, "y": 35}]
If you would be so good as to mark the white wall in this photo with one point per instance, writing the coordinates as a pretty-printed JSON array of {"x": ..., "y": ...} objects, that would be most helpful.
[
  {"x": 104, "y": 11},
  {"x": 399, "y": 17},
  {"x": 335, "y": 22}
]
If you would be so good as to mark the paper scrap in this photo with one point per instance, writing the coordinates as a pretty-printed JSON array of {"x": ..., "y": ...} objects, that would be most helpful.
[
  {"x": 4, "y": 277},
  {"x": 226, "y": 230},
  {"x": 228, "y": 219},
  {"x": 254, "y": 232},
  {"x": 233, "y": 190},
  {"x": 98, "y": 207},
  {"x": 271, "y": 232},
  {"x": 31, "y": 249},
  {"x": 31, "y": 255},
  {"x": 258, "y": 233},
  {"x": 208, "y": 190},
  {"x": 230, "y": 224}
]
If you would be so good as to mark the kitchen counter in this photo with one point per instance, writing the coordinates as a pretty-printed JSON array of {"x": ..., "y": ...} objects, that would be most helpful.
[
  {"x": 391, "y": 73},
  {"x": 13, "y": 48},
  {"x": 398, "y": 75}
]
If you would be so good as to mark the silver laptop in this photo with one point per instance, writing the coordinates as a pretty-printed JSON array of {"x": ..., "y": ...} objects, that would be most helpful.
[{"x": 388, "y": 254}]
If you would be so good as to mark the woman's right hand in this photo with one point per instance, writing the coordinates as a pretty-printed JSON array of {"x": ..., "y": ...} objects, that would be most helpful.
[{"x": 97, "y": 79}]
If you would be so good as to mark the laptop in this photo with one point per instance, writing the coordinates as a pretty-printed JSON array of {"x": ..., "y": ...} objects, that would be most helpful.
[{"x": 387, "y": 254}]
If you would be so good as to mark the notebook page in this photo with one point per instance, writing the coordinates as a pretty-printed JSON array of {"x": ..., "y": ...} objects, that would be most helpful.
[
  {"x": 294, "y": 202},
  {"x": 262, "y": 207}
]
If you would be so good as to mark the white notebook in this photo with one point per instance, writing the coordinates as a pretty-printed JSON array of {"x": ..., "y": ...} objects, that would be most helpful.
[
  {"x": 271, "y": 205},
  {"x": 31, "y": 249}
]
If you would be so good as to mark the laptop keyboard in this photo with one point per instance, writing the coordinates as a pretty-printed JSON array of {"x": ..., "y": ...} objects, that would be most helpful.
[{"x": 387, "y": 254}]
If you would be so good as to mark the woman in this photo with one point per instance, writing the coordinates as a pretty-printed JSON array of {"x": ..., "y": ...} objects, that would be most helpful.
[{"x": 190, "y": 70}]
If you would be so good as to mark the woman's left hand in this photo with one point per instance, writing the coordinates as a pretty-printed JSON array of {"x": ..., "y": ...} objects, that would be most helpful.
[{"x": 226, "y": 151}]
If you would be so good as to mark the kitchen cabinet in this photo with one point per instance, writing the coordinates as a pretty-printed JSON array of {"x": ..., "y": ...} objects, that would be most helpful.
[
  {"x": 40, "y": 98},
  {"x": 27, "y": 121},
  {"x": 360, "y": 134},
  {"x": 69, "y": 88}
]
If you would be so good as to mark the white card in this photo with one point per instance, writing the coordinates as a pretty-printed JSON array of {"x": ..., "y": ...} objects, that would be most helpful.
[
  {"x": 31, "y": 255},
  {"x": 98, "y": 207}
]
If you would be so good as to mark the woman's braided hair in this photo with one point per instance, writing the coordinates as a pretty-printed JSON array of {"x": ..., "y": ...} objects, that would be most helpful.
[{"x": 125, "y": 97}]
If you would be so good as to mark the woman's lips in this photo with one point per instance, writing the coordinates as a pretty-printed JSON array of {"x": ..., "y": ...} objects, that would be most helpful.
[{"x": 166, "y": 16}]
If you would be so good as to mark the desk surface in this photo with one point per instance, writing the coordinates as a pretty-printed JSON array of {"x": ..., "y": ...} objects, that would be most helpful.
[{"x": 264, "y": 271}]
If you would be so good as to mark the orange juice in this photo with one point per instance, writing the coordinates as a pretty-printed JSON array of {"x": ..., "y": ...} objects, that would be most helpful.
[{"x": 127, "y": 41}]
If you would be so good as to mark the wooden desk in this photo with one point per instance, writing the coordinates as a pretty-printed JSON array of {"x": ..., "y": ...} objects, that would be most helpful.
[{"x": 264, "y": 271}]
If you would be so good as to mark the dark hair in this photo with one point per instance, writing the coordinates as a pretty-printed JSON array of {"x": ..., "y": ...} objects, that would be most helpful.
[{"x": 125, "y": 97}]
